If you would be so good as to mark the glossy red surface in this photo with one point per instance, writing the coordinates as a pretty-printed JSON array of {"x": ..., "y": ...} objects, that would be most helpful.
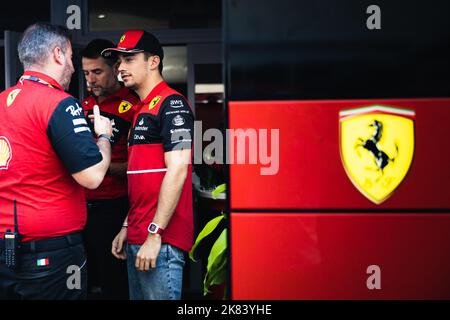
[
  {"x": 326, "y": 256},
  {"x": 322, "y": 249},
  {"x": 311, "y": 174}
]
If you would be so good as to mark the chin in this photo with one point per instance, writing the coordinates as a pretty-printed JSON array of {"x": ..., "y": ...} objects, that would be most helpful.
[{"x": 129, "y": 84}]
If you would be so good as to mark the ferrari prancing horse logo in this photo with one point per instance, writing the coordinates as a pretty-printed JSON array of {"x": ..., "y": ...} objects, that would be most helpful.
[
  {"x": 154, "y": 102},
  {"x": 377, "y": 148},
  {"x": 124, "y": 106}
]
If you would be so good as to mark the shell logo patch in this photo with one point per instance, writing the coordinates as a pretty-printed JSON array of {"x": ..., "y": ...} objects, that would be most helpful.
[
  {"x": 12, "y": 96},
  {"x": 5, "y": 153},
  {"x": 377, "y": 148},
  {"x": 124, "y": 106},
  {"x": 154, "y": 102}
]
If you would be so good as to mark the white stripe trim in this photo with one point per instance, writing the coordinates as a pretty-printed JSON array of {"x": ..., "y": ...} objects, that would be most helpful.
[
  {"x": 146, "y": 171},
  {"x": 377, "y": 108},
  {"x": 77, "y": 122},
  {"x": 81, "y": 129}
]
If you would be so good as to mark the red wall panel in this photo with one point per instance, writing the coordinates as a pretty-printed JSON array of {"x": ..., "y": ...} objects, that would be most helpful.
[
  {"x": 316, "y": 253},
  {"x": 325, "y": 256},
  {"x": 311, "y": 174}
]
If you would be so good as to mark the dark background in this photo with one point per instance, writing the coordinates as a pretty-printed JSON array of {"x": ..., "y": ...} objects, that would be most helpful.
[{"x": 323, "y": 50}]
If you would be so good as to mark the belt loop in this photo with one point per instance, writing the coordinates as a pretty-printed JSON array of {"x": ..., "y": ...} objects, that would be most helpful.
[
  {"x": 69, "y": 239},
  {"x": 33, "y": 246},
  {"x": 73, "y": 238}
]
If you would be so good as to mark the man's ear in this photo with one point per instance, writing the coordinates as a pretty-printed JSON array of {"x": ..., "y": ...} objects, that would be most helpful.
[
  {"x": 58, "y": 55},
  {"x": 154, "y": 62}
]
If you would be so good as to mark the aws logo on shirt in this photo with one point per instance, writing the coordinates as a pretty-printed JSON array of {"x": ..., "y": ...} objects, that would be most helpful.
[{"x": 124, "y": 106}]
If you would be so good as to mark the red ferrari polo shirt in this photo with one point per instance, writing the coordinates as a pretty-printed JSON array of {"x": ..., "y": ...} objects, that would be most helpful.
[
  {"x": 163, "y": 122},
  {"x": 118, "y": 108},
  {"x": 44, "y": 138}
]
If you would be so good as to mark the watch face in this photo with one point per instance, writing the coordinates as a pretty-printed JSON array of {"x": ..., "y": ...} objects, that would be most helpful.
[{"x": 153, "y": 228}]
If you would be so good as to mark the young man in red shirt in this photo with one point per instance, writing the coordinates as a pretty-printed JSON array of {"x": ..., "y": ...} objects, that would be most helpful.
[
  {"x": 160, "y": 221},
  {"x": 108, "y": 204}
]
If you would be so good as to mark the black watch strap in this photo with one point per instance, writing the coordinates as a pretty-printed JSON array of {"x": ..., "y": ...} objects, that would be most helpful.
[{"x": 105, "y": 136}]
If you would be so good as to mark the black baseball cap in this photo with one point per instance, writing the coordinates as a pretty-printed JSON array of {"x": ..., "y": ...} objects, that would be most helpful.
[{"x": 135, "y": 41}]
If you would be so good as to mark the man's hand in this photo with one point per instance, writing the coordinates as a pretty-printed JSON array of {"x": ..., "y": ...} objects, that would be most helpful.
[
  {"x": 148, "y": 253},
  {"x": 102, "y": 125},
  {"x": 118, "y": 245}
]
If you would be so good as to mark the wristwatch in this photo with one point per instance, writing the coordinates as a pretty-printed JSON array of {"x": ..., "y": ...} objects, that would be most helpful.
[
  {"x": 108, "y": 137},
  {"x": 155, "y": 229}
]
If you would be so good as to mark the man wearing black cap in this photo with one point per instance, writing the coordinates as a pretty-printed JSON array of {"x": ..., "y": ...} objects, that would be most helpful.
[{"x": 159, "y": 226}]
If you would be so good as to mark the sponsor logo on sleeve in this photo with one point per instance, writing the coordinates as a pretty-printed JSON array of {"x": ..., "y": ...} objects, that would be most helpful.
[
  {"x": 176, "y": 104},
  {"x": 178, "y": 121},
  {"x": 74, "y": 111}
]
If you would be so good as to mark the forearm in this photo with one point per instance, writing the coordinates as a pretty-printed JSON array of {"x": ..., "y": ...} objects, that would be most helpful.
[
  {"x": 92, "y": 177},
  {"x": 105, "y": 149},
  {"x": 169, "y": 195}
]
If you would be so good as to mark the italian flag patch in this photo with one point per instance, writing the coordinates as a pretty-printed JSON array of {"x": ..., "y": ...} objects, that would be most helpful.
[{"x": 43, "y": 262}]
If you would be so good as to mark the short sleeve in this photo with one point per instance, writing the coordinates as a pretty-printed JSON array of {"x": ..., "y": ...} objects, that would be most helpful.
[
  {"x": 177, "y": 124},
  {"x": 71, "y": 137}
]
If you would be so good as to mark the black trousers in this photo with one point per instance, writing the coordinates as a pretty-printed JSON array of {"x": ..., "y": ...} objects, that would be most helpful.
[
  {"x": 54, "y": 269},
  {"x": 104, "y": 221}
]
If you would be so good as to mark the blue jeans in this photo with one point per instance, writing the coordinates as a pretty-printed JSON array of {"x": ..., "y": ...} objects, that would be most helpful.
[{"x": 163, "y": 283}]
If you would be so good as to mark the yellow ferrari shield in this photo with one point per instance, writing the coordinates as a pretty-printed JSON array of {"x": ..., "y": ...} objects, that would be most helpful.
[
  {"x": 12, "y": 96},
  {"x": 124, "y": 106},
  {"x": 154, "y": 102},
  {"x": 377, "y": 148}
]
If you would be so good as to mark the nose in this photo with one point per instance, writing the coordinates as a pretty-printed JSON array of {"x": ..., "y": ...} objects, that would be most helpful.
[
  {"x": 121, "y": 66},
  {"x": 90, "y": 78}
]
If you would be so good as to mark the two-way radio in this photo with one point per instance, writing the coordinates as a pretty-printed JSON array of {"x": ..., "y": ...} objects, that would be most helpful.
[{"x": 12, "y": 243}]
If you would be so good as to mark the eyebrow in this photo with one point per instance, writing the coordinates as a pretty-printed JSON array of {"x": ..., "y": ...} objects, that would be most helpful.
[{"x": 93, "y": 70}]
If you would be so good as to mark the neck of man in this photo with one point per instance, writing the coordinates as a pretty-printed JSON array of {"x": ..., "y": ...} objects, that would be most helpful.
[
  {"x": 113, "y": 90},
  {"x": 148, "y": 85},
  {"x": 49, "y": 71}
]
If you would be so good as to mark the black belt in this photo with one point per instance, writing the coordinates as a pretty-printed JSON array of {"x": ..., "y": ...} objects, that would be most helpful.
[
  {"x": 50, "y": 244},
  {"x": 106, "y": 202}
]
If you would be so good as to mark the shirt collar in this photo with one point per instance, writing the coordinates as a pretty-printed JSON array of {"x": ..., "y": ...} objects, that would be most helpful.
[
  {"x": 52, "y": 82},
  {"x": 120, "y": 94},
  {"x": 156, "y": 90}
]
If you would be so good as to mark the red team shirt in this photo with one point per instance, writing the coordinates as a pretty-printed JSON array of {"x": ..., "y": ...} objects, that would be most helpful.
[
  {"x": 118, "y": 108},
  {"x": 163, "y": 122},
  {"x": 44, "y": 138}
]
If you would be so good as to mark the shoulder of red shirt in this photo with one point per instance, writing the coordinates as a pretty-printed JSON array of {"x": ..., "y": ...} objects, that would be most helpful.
[{"x": 122, "y": 94}]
